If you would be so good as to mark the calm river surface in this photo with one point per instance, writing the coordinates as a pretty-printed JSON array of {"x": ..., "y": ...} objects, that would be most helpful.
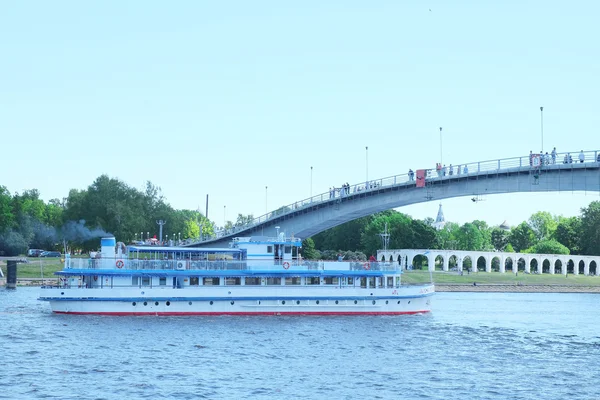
[{"x": 473, "y": 346}]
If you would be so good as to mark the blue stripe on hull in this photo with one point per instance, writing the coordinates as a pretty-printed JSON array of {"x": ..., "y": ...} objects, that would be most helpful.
[{"x": 229, "y": 298}]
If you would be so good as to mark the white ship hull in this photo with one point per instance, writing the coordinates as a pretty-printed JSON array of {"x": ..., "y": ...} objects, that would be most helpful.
[{"x": 238, "y": 300}]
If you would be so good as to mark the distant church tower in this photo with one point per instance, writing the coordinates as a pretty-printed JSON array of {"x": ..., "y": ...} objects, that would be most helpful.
[{"x": 439, "y": 220}]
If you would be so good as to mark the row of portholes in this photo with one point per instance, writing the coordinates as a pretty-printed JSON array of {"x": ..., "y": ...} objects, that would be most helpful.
[{"x": 337, "y": 302}]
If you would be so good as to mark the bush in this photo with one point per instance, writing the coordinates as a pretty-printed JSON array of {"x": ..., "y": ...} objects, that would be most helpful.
[{"x": 12, "y": 244}]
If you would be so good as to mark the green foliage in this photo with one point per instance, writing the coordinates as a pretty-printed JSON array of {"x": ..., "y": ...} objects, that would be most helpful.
[
  {"x": 345, "y": 237},
  {"x": 590, "y": 229},
  {"x": 12, "y": 244},
  {"x": 471, "y": 237},
  {"x": 568, "y": 233},
  {"x": 509, "y": 248},
  {"x": 7, "y": 216},
  {"x": 308, "y": 249},
  {"x": 543, "y": 225},
  {"x": 549, "y": 246},
  {"x": 522, "y": 237},
  {"x": 499, "y": 239}
]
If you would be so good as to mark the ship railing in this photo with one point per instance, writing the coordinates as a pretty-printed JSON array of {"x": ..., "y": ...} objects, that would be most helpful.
[{"x": 233, "y": 265}]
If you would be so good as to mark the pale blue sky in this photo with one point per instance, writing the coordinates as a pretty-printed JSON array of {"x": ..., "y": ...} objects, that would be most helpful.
[{"x": 226, "y": 98}]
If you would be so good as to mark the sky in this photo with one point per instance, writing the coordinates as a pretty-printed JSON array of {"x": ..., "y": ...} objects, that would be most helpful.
[{"x": 259, "y": 104}]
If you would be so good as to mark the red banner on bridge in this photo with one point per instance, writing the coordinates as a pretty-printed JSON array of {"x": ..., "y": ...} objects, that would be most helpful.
[{"x": 421, "y": 174}]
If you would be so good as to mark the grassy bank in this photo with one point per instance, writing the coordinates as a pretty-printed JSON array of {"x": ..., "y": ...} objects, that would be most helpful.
[
  {"x": 507, "y": 278},
  {"x": 35, "y": 267}
]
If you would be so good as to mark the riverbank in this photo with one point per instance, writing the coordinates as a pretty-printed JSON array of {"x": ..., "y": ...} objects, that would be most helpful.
[{"x": 522, "y": 288}]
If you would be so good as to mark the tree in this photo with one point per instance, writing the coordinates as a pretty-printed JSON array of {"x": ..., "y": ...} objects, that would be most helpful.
[
  {"x": 243, "y": 220},
  {"x": 543, "y": 225},
  {"x": 308, "y": 249},
  {"x": 590, "y": 229},
  {"x": 499, "y": 238},
  {"x": 7, "y": 216},
  {"x": 550, "y": 246},
  {"x": 522, "y": 237},
  {"x": 568, "y": 233},
  {"x": 470, "y": 237}
]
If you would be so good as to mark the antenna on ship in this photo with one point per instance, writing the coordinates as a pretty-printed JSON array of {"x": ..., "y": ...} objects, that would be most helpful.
[
  {"x": 385, "y": 238},
  {"x": 160, "y": 222}
]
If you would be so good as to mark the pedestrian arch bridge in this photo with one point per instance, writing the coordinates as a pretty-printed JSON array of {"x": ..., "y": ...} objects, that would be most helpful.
[
  {"x": 502, "y": 262},
  {"x": 577, "y": 171}
]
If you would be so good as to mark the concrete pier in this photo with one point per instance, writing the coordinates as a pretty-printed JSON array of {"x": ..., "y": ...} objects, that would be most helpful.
[{"x": 11, "y": 274}]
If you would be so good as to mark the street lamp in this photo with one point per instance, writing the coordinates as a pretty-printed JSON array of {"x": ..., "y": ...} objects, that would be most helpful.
[
  {"x": 311, "y": 168},
  {"x": 266, "y": 193},
  {"x": 224, "y": 219},
  {"x": 441, "y": 162},
  {"x": 367, "y": 163},
  {"x": 179, "y": 237},
  {"x": 542, "y": 123}
]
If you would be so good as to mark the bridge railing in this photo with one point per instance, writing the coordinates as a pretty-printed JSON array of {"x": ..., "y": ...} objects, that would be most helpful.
[{"x": 564, "y": 160}]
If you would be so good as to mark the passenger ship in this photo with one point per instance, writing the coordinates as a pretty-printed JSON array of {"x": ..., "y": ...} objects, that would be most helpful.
[{"x": 255, "y": 276}]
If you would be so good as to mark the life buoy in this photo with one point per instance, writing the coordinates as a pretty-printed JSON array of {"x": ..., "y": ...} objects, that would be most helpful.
[
  {"x": 120, "y": 263},
  {"x": 286, "y": 265},
  {"x": 95, "y": 277},
  {"x": 367, "y": 266},
  {"x": 180, "y": 265}
]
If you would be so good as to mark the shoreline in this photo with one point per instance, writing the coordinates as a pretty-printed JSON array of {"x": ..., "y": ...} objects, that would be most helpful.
[
  {"x": 515, "y": 288},
  {"x": 440, "y": 288}
]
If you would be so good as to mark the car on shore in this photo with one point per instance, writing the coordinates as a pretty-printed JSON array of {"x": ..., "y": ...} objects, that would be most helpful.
[
  {"x": 50, "y": 254},
  {"x": 35, "y": 252}
]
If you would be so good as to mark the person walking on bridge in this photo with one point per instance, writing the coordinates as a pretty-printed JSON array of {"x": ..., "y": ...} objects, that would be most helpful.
[
  {"x": 554, "y": 156},
  {"x": 581, "y": 157}
]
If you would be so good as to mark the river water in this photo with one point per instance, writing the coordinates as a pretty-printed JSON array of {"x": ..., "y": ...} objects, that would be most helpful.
[{"x": 472, "y": 346}]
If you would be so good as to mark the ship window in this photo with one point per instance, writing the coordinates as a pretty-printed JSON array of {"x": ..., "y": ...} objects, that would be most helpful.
[
  {"x": 292, "y": 281},
  {"x": 135, "y": 281},
  {"x": 317, "y": 301},
  {"x": 374, "y": 302},
  {"x": 232, "y": 281},
  {"x": 332, "y": 280},
  {"x": 283, "y": 302},
  {"x": 297, "y": 301},
  {"x": 273, "y": 281},
  {"x": 156, "y": 303},
  {"x": 145, "y": 303},
  {"x": 350, "y": 281},
  {"x": 270, "y": 249},
  {"x": 252, "y": 281},
  {"x": 162, "y": 281},
  {"x": 390, "y": 281},
  {"x": 145, "y": 281},
  {"x": 194, "y": 281},
  {"x": 211, "y": 282},
  {"x": 372, "y": 282},
  {"x": 312, "y": 280},
  {"x": 337, "y": 302},
  {"x": 363, "y": 282},
  {"x": 355, "y": 301},
  {"x": 288, "y": 249}
]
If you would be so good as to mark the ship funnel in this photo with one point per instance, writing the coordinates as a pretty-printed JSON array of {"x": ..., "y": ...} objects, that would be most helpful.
[{"x": 107, "y": 247}]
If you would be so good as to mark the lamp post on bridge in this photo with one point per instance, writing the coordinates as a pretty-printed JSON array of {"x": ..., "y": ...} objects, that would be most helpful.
[
  {"x": 542, "y": 125},
  {"x": 367, "y": 165},
  {"x": 441, "y": 153},
  {"x": 311, "y": 169},
  {"x": 266, "y": 194}
]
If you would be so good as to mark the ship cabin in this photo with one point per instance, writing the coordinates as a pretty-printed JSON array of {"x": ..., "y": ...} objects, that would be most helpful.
[{"x": 250, "y": 261}]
